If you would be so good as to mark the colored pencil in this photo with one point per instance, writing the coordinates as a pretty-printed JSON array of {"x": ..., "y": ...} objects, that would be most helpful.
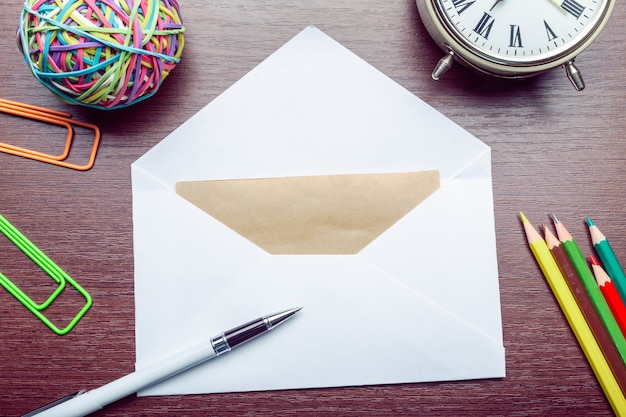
[
  {"x": 610, "y": 293},
  {"x": 586, "y": 306},
  {"x": 591, "y": 286},
  {"x": 575, "y": 318},
  {"x": 609, "y": 260}
]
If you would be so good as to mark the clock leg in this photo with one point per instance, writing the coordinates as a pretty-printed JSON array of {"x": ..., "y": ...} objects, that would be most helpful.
[
  {"x": 574, "y": 75},
  {"x": 443, "y": 65}
]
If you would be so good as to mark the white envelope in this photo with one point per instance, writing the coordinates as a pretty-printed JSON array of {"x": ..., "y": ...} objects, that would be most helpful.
[{"x": 419, "y": 303}]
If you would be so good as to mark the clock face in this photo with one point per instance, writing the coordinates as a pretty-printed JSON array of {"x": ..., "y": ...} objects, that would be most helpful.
[{"x": 521, "y": 31}]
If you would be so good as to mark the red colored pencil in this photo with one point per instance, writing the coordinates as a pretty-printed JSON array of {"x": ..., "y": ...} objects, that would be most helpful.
[{"x": 610, "y": 293}]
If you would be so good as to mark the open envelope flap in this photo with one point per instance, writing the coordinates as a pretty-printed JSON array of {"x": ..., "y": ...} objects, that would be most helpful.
[
  {"x": 312, "y": 108},
  {"x": 315, "y": 108}
]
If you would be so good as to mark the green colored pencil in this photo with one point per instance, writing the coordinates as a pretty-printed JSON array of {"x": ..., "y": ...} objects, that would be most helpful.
[
  {"x": 590, "y": 284},
  {"x": 608, "y": 258}
]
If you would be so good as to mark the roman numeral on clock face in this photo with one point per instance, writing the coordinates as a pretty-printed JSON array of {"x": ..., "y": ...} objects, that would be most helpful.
[
  {"x": 483, "y": 28},
  {"x": 551, "y": 35},
  {"x": 462, "y": 5},
  {"x": 515, "y": 38},
  {"x": 573, "y": 7}
]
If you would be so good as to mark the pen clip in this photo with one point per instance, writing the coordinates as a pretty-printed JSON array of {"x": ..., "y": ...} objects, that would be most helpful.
[{"x": 53, "y": 404}]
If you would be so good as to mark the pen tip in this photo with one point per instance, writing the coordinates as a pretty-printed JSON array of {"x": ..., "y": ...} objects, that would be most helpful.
[
  {"x": 277, "y": 318},
  {"x": 590, "y": 222}
]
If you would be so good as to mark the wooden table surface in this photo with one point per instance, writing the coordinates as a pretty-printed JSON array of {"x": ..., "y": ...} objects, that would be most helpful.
[{"x": 553, "y": 149}]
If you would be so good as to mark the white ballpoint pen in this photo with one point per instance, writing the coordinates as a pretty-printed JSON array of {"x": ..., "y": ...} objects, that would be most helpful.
[{"x": 81, "y": 404}]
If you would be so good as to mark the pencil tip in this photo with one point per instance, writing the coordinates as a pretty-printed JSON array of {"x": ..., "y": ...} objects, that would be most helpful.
[
  {"x": 590, "y": 222},
  {"x": 593, "y": 260},
  {"x": 554, "y": 218},
  {"x": 524, "y": 219}
]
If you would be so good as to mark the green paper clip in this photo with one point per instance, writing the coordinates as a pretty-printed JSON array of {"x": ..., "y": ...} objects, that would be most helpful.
[{"x": 48, "y": 266}]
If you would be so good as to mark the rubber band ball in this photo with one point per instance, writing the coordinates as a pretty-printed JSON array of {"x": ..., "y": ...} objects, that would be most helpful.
[{"x": 104, "y": 54}]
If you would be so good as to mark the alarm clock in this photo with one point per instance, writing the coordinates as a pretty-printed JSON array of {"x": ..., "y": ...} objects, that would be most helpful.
[{"x": 514, "y": 38}]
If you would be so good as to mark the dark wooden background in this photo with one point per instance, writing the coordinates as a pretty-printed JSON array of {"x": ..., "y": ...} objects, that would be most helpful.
[{"x": 554, "y": 149}]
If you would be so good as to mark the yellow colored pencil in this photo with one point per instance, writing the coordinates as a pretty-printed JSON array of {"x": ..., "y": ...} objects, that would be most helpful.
[{"x": 575, "y": 318}]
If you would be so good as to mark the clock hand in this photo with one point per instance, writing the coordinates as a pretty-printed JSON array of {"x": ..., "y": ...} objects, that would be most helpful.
[
  {"x": 496, "y": 3},
  {"x": 558, "y": 6}
]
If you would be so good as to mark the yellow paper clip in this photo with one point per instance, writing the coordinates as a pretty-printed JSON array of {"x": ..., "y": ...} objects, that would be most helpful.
[{"x": 54, "y": 117}]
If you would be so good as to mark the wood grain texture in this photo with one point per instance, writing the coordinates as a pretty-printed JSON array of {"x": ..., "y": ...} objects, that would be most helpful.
[{"x": 553, "y": 149}]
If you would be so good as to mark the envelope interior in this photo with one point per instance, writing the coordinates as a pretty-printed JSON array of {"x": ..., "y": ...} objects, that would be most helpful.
[{"x": 329, "y": 214}]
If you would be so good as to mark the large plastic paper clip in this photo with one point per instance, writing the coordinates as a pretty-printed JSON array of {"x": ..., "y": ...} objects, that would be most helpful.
[
  {"x": 48, "y": 266},
  {"x": 54, "y": 117}
]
